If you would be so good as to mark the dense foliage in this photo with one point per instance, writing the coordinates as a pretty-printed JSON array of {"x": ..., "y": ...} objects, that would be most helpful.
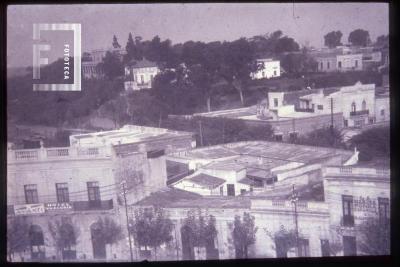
[
  {"x": 373, "y": 143},
  {"x": 244, "y": 234},
  {"x": 151, "y": 228}
]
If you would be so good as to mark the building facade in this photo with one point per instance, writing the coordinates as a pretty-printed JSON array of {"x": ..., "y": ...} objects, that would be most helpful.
[
  {"x": 356, "y": 103},
  {"x": 140, "y": 75},
  {"x": 270, "y": 68},
  {"x": 81, "y": 183},
  {"x": 331, "y": 227}
]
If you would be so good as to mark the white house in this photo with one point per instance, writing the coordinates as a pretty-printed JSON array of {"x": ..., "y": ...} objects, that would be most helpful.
[
  {"x": 356, "y": 102},
  {"x": 140, "y": 74},
  {"x": 271, "y": 68}
]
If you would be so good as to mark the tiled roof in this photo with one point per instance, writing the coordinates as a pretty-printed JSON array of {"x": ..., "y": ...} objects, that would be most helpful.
[
  {"x": 176, "y": 198},
  {"x": 207, "y": 180}
]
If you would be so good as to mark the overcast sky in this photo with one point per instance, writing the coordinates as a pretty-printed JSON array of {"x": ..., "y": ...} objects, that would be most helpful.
[{"x": 305, "y": 22}]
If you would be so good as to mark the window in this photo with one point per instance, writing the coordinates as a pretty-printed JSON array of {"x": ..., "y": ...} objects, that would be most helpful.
[
  {"x": 349, "y": 246},
  {"x": 348, "y": 218},
  {"x": 145, "y": 252},
  {"x": 304, "y": 248},
  {"x": 93, "y": 192},
  {"x": 275, "y": 102},
  {"x": 31, "y": 195},
  {"x": 356, "y": 63},
  {"x": 320, "y": 107},
  {"x": 242, "y": 191},
  {"x": 325, "y": 249},
  {"x": 353, "y": 107},
  {"x": 221, "y": 190},
  {"x": 383, "y": 207},
  {"x": 155, "y": 153},
  {"x": 141, "y": 78},
  {"x": 328, "y": 65},
  {"x": 275, "y": 73},
  {"x": 151, "y": 77},
  {"x": 263, "y": 74},
  {"x": 339, "y": 64},
  {"x": 62, "y": 192},
  {"x": 346, "y": 123},
  {"x": 382, "y": 112},
  {"x": 281, "y": 247},
  {"x": 278, "y": 137},
  {"x": 364, "y": 105},
  {"x": 231, "y": 189},
  {"x": 322, "y": 65},
  {"x": 36, "y": 241},
  {"x": 293, "y": 136}
]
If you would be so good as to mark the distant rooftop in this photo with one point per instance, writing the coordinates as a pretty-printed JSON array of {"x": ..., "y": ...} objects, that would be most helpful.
[
  {"x": 176, "y": 198},
  {"x": 126, "y": 135},
  {"x": 262, "y": 153},
  {"x": 206, "y": 180}
]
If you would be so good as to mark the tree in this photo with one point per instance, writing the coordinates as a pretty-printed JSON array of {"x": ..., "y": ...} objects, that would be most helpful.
[
  {"x": 284, "y": 240},
  {"x": 244, "y": 234},
  {"x": 64, "y": 233},
  {"x": 111, "y": 66},
  {"x": 325, "y": 137},
  {"x": 374, "y": 236},
  {"x": 296, "y": 63},
  {"x": 359, "y": 37},
  {"x": 332, "y": 39},
  {"x": 286, "y": 44},
  {"x": 382, "y": 41},
  {"x": 238, "y": 63},
  {"x": 151, "y": 228},
  {"x": 108, "y": 231},
  {"x": 115, "y": 43},
  {"x": 17, "y": 235},
  {"x": 130, "y": 49},
  {"x": 201, "y": 231}
]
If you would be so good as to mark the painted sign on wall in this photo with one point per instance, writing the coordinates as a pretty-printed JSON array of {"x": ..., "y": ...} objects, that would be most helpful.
[
  {"x": 29, "y": 209},
  {"x": 57, "y": 206}
]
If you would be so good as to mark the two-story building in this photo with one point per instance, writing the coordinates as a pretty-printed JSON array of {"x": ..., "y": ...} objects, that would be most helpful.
[
  {"x": 355, "y": 194},
  {"x": 140, "y": 74},
  {"x": 81, "y": 183},
  {"x": 91, "y": 60},
  {"x": 338, "y": 60},
  {"x": 356, "y": 103},
  {"x": 270, "y": 68}
]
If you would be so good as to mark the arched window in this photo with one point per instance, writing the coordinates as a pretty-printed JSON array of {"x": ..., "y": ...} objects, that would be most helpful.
[
  {"x": 353, "y": 107},
  {"x": 364, "y": 105},
  {"x": 36, "y": 242}
]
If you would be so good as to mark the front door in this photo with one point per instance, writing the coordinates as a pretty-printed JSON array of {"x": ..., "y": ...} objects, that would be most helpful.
[{"x": 231, "y": 189}]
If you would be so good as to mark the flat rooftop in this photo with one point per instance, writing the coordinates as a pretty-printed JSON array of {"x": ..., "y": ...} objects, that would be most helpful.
[
  {"x": 125, "y": 135},
  {"x": 271, "y": 153}
]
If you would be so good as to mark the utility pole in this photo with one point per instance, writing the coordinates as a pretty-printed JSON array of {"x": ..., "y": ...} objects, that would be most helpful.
[
  {"x": 332, "y": 113},
  {"x": 127, "y": 219},
  {"x": 201, "y": 133},
  {"x": 294, "y": 200},
  {"x": 176, "y": 244},
  {"x": 332, "y": 134}
]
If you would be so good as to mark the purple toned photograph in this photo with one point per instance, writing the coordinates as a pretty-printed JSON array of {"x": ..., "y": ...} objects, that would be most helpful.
[{"x": 182, "y": 132}]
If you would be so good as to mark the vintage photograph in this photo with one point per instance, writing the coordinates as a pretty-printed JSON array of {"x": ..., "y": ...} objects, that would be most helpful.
[{"x": 178, "y": 132}]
